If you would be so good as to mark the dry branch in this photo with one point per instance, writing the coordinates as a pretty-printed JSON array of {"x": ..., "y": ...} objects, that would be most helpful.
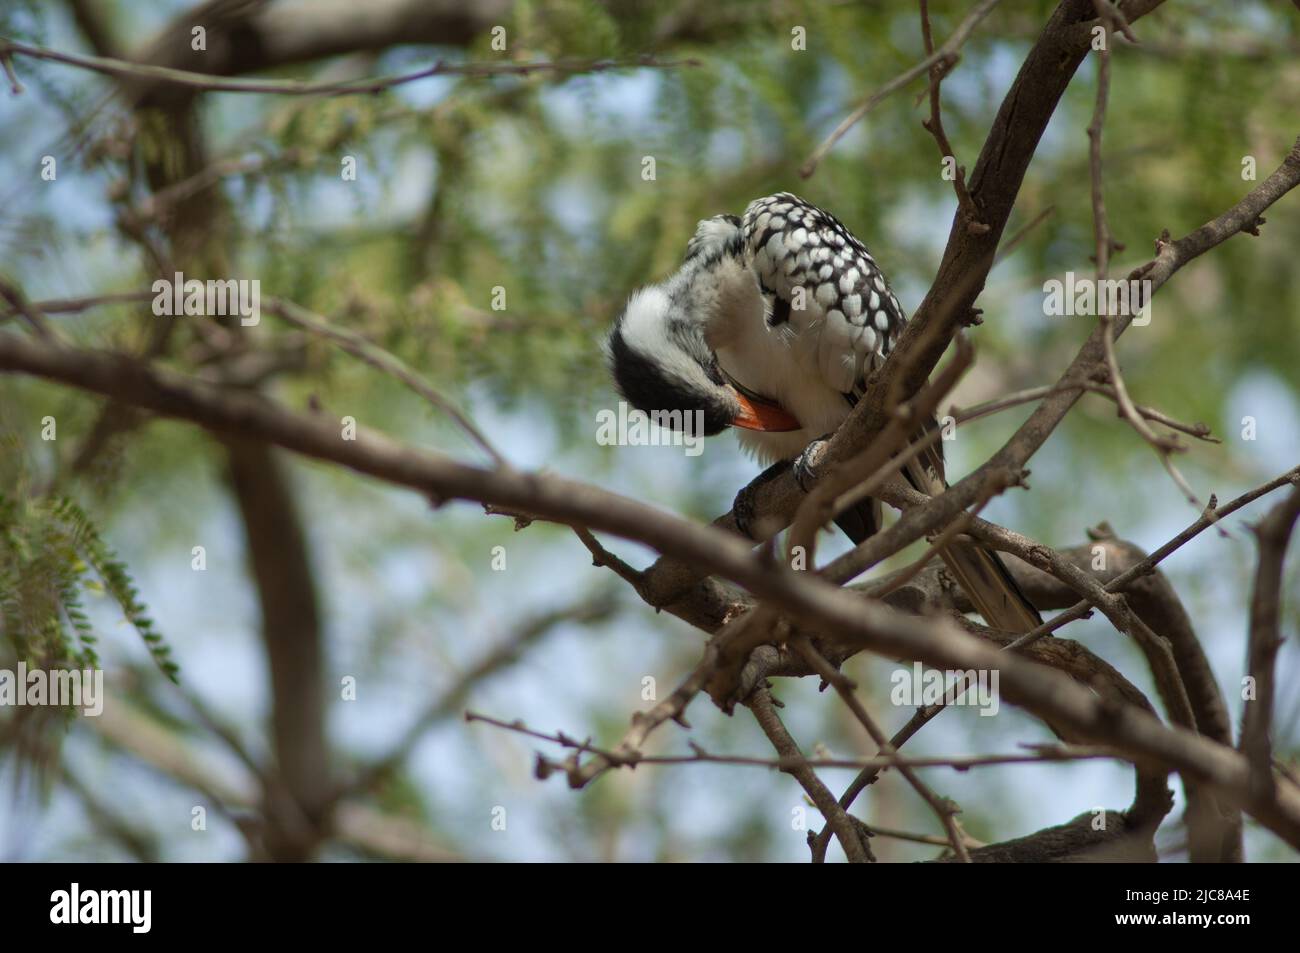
[
  {"x": 873, "y": 627},
  {"x": 1274, "y": 535}
]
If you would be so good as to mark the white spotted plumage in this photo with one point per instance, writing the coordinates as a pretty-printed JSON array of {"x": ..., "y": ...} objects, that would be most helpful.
[
  {"x": 784, "y": 314},
  {"x": 792, "y": 244},
  {"x": 831, "y": 319},
  {"x": 784, "y": 303}
]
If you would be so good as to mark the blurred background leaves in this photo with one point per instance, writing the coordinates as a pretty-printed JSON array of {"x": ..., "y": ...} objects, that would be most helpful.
[{"x": 533, "y": 185}]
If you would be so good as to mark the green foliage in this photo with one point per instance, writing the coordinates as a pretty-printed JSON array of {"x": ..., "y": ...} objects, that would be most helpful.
[
  {"x": 51, "y": 553},
  {"x": 116, "y": 579},
  {"x": 533, "y": 184}
]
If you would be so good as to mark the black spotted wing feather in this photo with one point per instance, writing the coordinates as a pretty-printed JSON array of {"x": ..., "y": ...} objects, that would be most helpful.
[
  {"x": 837, "y": 303},
  {"x": 825, "y": 284}
]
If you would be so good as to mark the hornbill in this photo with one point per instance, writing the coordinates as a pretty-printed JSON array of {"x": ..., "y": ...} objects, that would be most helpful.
[{"x": 773, "y": 325}]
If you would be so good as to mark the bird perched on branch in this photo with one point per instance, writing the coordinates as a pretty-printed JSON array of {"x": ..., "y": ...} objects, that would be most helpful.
[{"x": 773, "y": 325}]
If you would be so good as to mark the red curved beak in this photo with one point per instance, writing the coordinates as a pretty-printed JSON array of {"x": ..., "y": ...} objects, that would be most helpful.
[{"x": 762, "y": 415}]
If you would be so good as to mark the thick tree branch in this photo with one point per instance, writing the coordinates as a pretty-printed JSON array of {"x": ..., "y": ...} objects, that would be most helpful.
[
  {"x": 1274, "y": 535},
  {"x": 873, "y": 627},
  {"x": 295, "y": 650},
  {"x": 1031, "y": 435},
  {"x": 775, "y": 500},
  {"x": 1214, "y": 830}
]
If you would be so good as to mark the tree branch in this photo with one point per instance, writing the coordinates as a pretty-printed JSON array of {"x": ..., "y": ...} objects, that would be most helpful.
[
  {"x": 210, "y": 83},
  {"x": 871, "y": 626},
  {"x": 944, "y": 57},
  {"x": 1274, "y": 535}
]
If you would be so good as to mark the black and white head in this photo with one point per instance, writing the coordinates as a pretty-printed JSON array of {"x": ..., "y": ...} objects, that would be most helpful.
[{"x": 662, "y": 347}]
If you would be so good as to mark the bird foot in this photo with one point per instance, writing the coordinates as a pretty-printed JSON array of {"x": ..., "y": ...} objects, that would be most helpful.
[{"x": 807, "y": 463}]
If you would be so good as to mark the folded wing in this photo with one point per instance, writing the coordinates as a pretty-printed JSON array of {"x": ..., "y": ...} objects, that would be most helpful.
[{"x": 825, "y": 284}]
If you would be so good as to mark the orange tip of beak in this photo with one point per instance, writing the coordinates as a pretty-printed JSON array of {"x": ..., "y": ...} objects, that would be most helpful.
[{"x": 761, "y": 415}]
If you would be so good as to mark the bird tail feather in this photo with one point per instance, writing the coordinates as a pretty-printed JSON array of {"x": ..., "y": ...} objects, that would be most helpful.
[{"x": 978, "y": 570}]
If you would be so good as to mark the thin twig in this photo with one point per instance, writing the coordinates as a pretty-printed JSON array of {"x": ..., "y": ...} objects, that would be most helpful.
[
  {"x": 1035, "y": 754},
  {"x": 584, "y": 612},
  {"x": 77, "y": 305},
  {"x": 946, "y": 54},
  {"x": 931, "y": 839},
  {"x": 1100, "y": 224},
  {"x": 1208, "y": 518},
  {"x": 922, "y": 716},
  {"x": 1030, "y": 395},
  {"x": 855, "y": 845},
  {"x": 7, "y": 61},
  {"x": 382, "y": 360},
  {"x": 934, "y": 125},
  {"x": 898, "y": 580},
  {"x": 29, "y": 312},
  {"x": 287, "y": 87},
  {"x": 1164, "y": 446},
  {"x": 856, "y": 479},
  {"x": 1010, "y": 245},
  {"x": 943, "y": 808},
  {"x": 600, "y": 556}
]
